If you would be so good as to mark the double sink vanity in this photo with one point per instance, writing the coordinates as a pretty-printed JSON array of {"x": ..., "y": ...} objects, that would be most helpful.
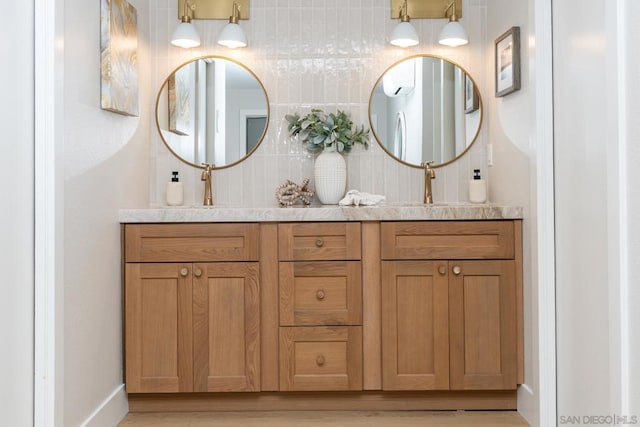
[
  {"x": 399, "y": 306},
  {"x": 390, "y": 307}
]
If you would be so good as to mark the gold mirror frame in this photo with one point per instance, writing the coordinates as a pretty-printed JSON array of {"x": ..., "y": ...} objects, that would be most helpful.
[
  {"x": 480, "y": 107},
  {"x": 165, "y": 84}
]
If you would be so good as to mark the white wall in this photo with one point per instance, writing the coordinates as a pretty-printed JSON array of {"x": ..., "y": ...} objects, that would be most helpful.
[
  {"x": 17, "y": 215},
  {"x": 596, "y": 69},
  {"x": 631, "y": 127},
  {"x": 511, "y": 125},
  {"x": 106, "y": 167},
  {"x": 309, "y": 54}
]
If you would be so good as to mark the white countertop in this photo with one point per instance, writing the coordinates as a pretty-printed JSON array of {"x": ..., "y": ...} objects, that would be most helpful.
[{"x": 390, "y": 212}]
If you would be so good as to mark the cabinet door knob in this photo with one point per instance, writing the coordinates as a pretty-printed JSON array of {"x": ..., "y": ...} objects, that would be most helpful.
[
  {"x": 320, "y": 295},
  {"x": 457, "y": 270},
  {"x": 184, "y": 271},
  {"x": 320, "y": 360},
  {"x": 197, "y": 272},
  {"x": 442, "y": 270},
  {"x": 319, "y": 242}
]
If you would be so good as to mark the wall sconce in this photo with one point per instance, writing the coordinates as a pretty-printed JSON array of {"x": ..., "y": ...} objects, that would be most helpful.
[
  {"x": 185, "y": 35},
  {"x": 453, "y": 34},
  {"x": 404, "y": 34},
  {"x": 232, "y": 35}
]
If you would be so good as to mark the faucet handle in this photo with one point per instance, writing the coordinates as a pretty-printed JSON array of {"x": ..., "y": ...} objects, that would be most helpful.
[{"x": 428, "y": 170}]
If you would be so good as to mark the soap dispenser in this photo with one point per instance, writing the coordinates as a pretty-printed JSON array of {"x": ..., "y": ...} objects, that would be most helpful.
[
  {"x": 477, "y": 188},
  {"x": 175, "y": 191}
]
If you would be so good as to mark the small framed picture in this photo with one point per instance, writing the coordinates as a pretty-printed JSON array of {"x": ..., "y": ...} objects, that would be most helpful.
[
  {"x": 508, "y": 62},
  {"x": 471, "y": 102}
]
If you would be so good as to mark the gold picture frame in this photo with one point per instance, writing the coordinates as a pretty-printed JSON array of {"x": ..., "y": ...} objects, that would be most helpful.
[{"x": 119, "y": 57}]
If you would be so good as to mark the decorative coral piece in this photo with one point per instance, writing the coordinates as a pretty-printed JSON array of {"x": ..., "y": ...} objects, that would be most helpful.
[{"x": 290, "y": 192}]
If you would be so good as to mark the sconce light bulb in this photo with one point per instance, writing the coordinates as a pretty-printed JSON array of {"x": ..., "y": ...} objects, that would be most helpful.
[
  {"x": 453, "y": 34},
  {"x": 232, "y": 35},
  {"x": 404, "y": 35},
  {"x": 185, "y": 35}
]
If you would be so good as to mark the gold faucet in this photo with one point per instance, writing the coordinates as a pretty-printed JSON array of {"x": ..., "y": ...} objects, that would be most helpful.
[
  {"x": 429, "y": 174},
  {"x": 206, "y": 177}
]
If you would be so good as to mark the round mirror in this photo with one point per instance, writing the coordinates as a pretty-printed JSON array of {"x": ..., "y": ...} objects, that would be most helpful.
[
  {"x": 425, "y": 109},
  {"x": 212, "y": 110}
]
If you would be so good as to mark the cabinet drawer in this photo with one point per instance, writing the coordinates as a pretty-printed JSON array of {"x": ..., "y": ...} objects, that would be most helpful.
[
  {"x": 447, "y": 240},
  {"x": 321, "y": 358},
  {"x": 191, "y": 242},
  {"x": 320, "y": 293},
  {"x": 319, "y": 241}
]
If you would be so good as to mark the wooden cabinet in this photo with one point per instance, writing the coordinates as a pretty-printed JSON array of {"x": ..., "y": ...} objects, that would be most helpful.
[
  {"x": 482, "y": 325},
  {"x": 226, "y": 327},
  {"x": 158, "y": 328},
  {"x": 192, "y": 326},
  {"x": 449, "y": 306},
  {"x": 415, "y": 326},
  {"x": 417, "y": 314},
  {"x": 320, "y": 306}
]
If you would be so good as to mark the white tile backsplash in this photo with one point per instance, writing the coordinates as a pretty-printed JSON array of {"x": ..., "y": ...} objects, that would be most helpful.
[{"x": 315, "y": 53}]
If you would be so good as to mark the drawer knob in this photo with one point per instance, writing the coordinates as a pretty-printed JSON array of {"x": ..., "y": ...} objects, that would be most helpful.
[
  {"x": 320, "y": 360},
  {"x": 457, "y": 270},
  {"x": 197, "y": 272},
  {"x": 184, "y": 271},
  {"x": 319, "y": 242},
  {"x": 320, "y": 295},
  {"x": 442, "y": 270}
]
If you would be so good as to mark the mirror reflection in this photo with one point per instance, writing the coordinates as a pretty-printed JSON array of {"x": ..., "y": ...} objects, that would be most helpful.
[
  {"x": 425, "y": 108},
  {"x": 212, "y": 110}
]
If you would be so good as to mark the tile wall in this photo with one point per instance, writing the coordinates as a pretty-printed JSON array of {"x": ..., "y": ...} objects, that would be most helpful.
[{"x": 316, "y": 53}]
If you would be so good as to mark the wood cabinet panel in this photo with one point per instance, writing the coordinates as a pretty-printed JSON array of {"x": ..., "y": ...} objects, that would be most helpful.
[
  {"x": 482, "y": 302},
  {"x": 415, "y": 330},
  {"x": 191, "y": 242},
  {"x": 158, "y": 335},
  {"x": 269, "y": 311},
  {"x": 319, "y": 241},
  {"x": 448, "y": 240},
  {"x": 226, "y": 301},
  {"x": 320, "y": 293},
  {"x": 371, "y": 308},
  {"x": 321, "y": 358}
]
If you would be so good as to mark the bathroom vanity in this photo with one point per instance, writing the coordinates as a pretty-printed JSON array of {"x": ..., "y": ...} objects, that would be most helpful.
[{"x": 392, "y": 307}]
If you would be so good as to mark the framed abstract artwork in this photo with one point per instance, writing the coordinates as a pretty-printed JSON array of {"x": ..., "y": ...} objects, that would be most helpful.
[
  {"x": 507, "y": 53},
  {"x": 119, "y": 57},
  {"x": 180, "y": 87},
  {"x": 471, "y": 101}
]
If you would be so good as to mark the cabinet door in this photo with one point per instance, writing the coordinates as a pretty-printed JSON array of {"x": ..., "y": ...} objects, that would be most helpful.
[
  {"x": 226, "y": 322},
  {"x": 482, "y": 309},
  {"x": 415, "y": 329},
  {"x": 158, "y": 334}
]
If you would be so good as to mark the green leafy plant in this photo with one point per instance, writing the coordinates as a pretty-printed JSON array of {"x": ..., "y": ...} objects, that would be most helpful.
[{"x": 318, "y": 131}]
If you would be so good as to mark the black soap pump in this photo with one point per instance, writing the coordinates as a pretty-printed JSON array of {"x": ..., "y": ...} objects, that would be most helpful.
[
  {"x": 477, "y": 188},
  {"x": 175, "y": 191}
]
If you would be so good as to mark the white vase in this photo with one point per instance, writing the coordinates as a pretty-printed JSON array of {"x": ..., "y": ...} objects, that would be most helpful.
[{"x": 330, "y": 173}]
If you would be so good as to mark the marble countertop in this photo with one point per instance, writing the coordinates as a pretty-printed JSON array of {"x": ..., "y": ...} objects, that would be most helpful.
[{"x": 389, "y": 212}]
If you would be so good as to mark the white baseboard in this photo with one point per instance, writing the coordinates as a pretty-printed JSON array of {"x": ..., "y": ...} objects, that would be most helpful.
[
  {"x": 111, "y": 411},
  {"x": 528, "y": 404}
]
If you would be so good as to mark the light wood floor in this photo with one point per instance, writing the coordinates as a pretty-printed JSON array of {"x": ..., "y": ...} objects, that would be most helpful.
[{"x": 326, "y": 418}]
